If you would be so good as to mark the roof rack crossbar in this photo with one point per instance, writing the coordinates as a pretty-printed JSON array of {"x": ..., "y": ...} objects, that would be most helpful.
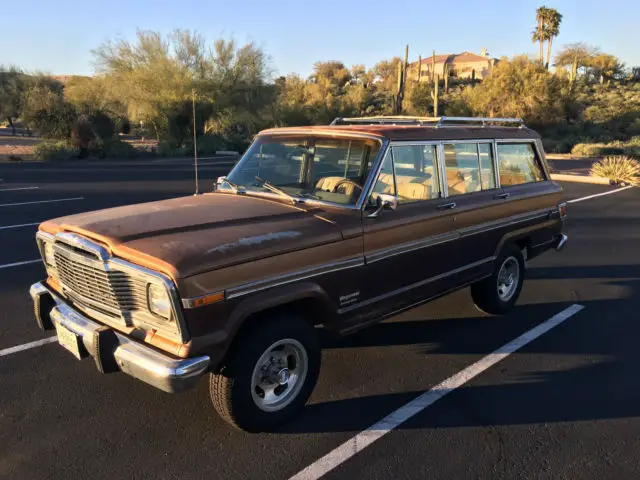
[{"x": 430, "y": 121}]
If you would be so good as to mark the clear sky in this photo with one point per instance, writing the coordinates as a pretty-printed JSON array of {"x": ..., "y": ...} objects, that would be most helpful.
[{"x": 56, "y": 36}]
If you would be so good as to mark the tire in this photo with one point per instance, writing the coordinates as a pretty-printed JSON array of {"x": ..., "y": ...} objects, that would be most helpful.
[
  {"x": 243, "y": 400},
  {"x": 492, "y": 295}
]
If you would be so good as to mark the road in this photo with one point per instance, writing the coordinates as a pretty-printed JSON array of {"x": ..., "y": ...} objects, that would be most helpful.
[{"x": 565, "y": 405}]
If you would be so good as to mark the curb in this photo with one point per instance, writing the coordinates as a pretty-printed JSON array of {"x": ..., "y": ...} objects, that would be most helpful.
[{"x": 580, "y": 178}]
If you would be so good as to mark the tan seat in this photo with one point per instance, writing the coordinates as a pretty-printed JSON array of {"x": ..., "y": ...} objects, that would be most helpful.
[
  {"x": 455, "y": 182},
  {"x": 512, "y": 178}
]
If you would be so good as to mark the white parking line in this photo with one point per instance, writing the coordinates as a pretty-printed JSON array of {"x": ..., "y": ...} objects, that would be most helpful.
[
  {"x": 17, "y": 264},
  {"x": 362, "y": 440},
  {"x": 41, "y": 201},
  {"x": 6, "y": 227},
  {"x": 14, "y": 189},
  {"x": 27, "y": 346},
  {"x": 617, "y": 190}
]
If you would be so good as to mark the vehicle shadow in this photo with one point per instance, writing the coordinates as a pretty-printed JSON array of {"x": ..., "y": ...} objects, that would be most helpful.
[{"x": 603, "y": 350}]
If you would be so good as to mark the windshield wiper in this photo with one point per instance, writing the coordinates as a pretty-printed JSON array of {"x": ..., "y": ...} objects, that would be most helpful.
[{"x": 279, "y": 191}]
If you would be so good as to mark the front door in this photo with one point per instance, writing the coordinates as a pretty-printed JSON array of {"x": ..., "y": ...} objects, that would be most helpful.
[{"x": 409, "y": 252}]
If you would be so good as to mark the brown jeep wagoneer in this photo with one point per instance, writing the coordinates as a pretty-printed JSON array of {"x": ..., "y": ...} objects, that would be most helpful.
[{"x": 339, "y": 226}]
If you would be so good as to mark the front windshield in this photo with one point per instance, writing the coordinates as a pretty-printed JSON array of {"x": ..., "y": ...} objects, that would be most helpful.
[{"x": 327, "y": 169}]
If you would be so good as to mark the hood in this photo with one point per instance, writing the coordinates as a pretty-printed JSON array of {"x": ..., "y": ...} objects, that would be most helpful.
[{"x": 190, "y": 235}]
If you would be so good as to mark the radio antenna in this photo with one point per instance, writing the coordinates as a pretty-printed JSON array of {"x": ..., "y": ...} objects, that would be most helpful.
[{"x": 195, "y": 139}]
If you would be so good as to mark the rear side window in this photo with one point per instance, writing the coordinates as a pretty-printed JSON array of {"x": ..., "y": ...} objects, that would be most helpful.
[
  {"x": 518, "y": 164},
  {"x": 469, "y": 167}
]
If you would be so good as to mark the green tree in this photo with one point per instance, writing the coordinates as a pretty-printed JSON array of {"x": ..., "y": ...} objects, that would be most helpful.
[
  {"x": 605, "y": 66},
  {"x": 12, "y": 85},
  {"x": 518, "y": 88},
  {"x": 574, "y": 56},
  {"x": 46, "y": 110}
]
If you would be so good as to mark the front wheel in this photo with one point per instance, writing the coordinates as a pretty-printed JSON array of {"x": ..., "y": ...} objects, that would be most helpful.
[
  {"x": 499, "y": 292},
  {"x": 269, "y": 375}
]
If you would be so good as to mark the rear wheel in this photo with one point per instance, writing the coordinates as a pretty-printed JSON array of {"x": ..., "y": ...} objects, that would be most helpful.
[
  {"x": 269, "y": 375},
  {"x": 499, "y": 292}
]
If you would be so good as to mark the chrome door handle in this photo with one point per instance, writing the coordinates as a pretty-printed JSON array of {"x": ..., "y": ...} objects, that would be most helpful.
[
  {"x": 501, "y": 196},
  {"x": 447, "y": 206}
]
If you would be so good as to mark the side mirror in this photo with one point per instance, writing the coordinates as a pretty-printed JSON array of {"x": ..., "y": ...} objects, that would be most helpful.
[{"x": 385, "y": 202}]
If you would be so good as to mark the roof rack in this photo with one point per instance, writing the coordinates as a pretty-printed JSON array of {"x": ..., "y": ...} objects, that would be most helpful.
[{"x": 432, "y": 121}]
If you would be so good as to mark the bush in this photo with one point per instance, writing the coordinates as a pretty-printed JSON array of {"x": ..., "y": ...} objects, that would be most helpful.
[
  {"x": 113, "y": 148},
  {"x": 618, "y": 169},
  {"x": 56, "y": 151}
]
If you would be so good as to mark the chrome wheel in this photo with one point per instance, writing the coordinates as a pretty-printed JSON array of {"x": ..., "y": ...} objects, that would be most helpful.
[
  {"x": 508, "y": 278},
  {"x": 279, "y": 375}
]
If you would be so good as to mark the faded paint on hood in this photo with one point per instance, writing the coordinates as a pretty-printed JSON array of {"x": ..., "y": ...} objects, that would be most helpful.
[{"x": 190, "y": 235}]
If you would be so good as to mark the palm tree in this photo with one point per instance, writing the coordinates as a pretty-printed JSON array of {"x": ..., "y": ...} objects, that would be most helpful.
[
  {"x": 553, "y": 19},
  {"x": 539, "y": 35}
]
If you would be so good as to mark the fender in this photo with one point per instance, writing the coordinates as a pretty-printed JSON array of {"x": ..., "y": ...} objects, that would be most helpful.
[{"x": 524, "y": 232}]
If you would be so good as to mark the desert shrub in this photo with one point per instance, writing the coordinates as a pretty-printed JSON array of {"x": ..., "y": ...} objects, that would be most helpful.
[
  {"x": 618, "y": 169},
  {"x": 113, "y": 148},
  {"x": 55, "y": 151},
  {"x": 103, "y": 125}
]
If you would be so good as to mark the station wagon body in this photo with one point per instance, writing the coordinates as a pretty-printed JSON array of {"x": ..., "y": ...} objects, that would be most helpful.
[{"x": 339, "y": 226}]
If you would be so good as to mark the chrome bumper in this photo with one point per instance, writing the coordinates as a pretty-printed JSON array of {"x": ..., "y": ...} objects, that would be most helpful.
[{"x": 114, "y": 351}]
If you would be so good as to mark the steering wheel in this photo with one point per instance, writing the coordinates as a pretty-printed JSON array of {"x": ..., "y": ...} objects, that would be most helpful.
[{"x": 346, "y": 181}]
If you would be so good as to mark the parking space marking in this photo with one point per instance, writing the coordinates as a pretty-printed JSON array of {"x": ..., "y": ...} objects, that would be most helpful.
[
  {"x": 617, "y": 190},
  {"x": 27, "y": 346},
  {"x": 20, "y": 188},
  {"x": 365, "y": 438},
  {"x": 41, "y": 201},
  {"x": 6, "y": 227},
  {"x": 17, "y": 264}
]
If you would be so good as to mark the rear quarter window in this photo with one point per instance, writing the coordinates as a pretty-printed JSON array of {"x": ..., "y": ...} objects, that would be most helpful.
[{"x": 518, "y": 163}]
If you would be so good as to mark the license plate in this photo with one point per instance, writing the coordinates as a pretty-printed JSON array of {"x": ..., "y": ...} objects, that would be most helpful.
[{"x": 68, "y": 340}]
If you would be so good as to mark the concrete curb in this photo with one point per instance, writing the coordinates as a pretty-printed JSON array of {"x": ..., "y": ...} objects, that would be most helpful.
[{"x": 580, "y": 178}]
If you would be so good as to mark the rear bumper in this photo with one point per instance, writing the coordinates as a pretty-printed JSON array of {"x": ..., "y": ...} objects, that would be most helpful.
[
  {"x": 113, "y": 351},
  {"x": 560, "y": 242}
]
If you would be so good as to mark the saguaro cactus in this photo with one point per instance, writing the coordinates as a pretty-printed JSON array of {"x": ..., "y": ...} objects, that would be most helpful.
[
  {"x": 446, "y": 73},
  {"x": 402, "y": 78},
  {"x": 473, "y": 77},
  {"x": 435, "y": 94},
  {"x": 419, "y": 68}
]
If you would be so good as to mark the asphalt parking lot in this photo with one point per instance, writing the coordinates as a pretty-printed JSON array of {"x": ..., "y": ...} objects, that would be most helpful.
[{"x": 564, "y": 405}]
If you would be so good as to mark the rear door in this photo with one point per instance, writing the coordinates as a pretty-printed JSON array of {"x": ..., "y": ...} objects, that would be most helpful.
[
  {"x": 530, "y": 197},
  {"x": 411, "y": 251},
  {"x": 472, "y": 184}
]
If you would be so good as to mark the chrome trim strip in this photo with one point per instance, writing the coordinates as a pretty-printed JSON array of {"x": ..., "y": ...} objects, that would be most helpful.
[
  {"x": 421, "y": 283},
  {"x": 276, "y": 281},
  {"x": 373, "y": 174},
  {"x": 83, "y": 244},
  {"x": 504, "y": 222},
  {"x": 411, "y": 246}
]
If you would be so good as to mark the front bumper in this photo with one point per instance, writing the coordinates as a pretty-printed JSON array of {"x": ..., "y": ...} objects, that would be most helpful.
[{"x": 113, "y": 351}]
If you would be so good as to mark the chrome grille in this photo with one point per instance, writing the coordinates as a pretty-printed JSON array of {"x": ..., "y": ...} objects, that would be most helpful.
[{"x": 115, "y": 291}]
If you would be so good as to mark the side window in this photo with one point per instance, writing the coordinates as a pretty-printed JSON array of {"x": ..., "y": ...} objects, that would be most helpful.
[
  {"x": 487, "y": 167},
  {"x": 461, "y": 164},
  {"x": 385, "y": 182},
  {"x": 518, "y": 163},
  {"x": 414, "y": 177}
]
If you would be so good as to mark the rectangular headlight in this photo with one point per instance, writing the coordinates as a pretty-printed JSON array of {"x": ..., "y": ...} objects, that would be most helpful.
[{"x": 158, "y": 300}]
